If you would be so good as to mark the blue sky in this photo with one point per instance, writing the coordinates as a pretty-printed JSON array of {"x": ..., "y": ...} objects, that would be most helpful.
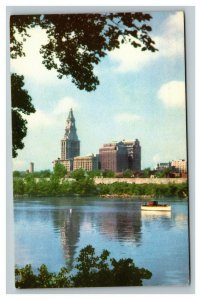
[{"x": 141, "y": 95}]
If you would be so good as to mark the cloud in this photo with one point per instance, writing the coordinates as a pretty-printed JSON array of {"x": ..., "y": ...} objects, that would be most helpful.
[
  {"x": 31, "y": 65},
  {"x": 127, "y": 118},
  {"x": 45, "y": 129},
  {"x": 38, "y": 119},
  {"x": 170, "y": 43},
  {"x": 65, "y": 104},
  {"x": 172, "y": 94},
  {"x": 128, "y": 58},
  {"x": 44, "y": 120}
]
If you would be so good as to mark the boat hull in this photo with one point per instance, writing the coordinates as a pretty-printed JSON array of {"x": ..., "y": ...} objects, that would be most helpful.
[{"x": 156, "y": 208}]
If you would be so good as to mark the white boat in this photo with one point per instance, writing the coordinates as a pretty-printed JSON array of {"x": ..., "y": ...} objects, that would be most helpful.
[{"x": 155, "y": 206}]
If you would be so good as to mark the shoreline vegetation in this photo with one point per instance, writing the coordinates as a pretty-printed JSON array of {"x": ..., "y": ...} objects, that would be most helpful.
[
  {"x": 86, "y": 187},
  {"x": 82, "y": 183}
]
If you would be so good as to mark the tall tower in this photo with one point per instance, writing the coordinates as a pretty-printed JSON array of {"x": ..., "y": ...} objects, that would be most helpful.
[
  {"x": 31, "y": 167},
  {"x": 70, "y": 145},
  {"x": 134, "y": 154}
]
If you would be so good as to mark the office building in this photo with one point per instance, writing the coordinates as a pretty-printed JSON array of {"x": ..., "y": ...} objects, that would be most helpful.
[
  {"x": 134, "y": 154},
  {"x": 113, "y": 157},
  {"x": 88, "y": 162}
]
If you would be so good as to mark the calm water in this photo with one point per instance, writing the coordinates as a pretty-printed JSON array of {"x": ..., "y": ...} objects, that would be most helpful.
[{"x": 53, "y": 230}]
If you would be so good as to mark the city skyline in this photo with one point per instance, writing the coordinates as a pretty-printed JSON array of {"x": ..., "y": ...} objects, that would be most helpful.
[{"x": 141, "y": 95}]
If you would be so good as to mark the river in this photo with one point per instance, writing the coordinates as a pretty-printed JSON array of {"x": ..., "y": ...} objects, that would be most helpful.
[{"x": 53, "y": 230}]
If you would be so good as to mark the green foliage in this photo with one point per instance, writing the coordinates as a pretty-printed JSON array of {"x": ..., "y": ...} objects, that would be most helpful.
[
  {"x": 146, "y": 173},
  {"x": 97, "y": 271},
  {"x": 154, "y": 190},
  {"x": 164, "y": 173},
  {"x": 16, "y": 174},
  {"x": 94, "y": 173},
  {"x": 84, "y": 185},
  {"x": 42, "y": 174},
  {"x": 78, "y": 42},
  {"x": 92, "y": 271},
  {"x": 18, "y": 186},
  {"x": 127, "y": 173},
  {"x": 25, "y": 278},
  {"x": 78, "y": 174},
  {"x": 59, "y": 171},
  {"x": 108, "y": 174},
  {"x": 30, "y": 184},
  {"x": 21, "y": 104}
]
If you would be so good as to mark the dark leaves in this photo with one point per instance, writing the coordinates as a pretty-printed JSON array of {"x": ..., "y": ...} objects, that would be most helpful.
[
  {"x": 77, "y": 42},
  {"x": 21, "y": 104},
  {"x": 92, "y": 271}
]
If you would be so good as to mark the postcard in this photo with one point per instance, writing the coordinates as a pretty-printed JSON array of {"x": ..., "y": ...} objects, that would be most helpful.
[{"x": 100, "y": 177}]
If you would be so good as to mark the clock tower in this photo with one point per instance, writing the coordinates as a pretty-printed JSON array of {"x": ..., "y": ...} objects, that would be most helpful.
[{"x": 70, "y": 144}]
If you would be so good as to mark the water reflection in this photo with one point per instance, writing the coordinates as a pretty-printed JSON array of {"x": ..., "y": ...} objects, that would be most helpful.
[
  {"x": 122, "y": 226},
  {"x": 181, "y": 220},
  {"x": 67, "y": 221},
  {"x": 113, "y": 222},
  {"x": 152, "y": 215},
  {"x": 52, "y": 231},
  {"x": 162, "y": 218}
]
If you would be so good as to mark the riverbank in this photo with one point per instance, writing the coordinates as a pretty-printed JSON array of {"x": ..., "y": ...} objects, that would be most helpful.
[
  {"x": 87, "y": 187},
  {"x": 125, "y": 196}
]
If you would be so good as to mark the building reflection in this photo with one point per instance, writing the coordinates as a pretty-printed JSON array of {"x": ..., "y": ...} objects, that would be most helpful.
[
  {"x": 116, "y": 222},
  {"x": 124, "y": 226},
  {"x": 68, "y": 223},
  {"x": 120, "y": 223}
]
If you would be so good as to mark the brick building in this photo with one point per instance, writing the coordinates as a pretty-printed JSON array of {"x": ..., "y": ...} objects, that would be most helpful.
[
  {"x": 120, "y": 156},
  {"x": 113, "y": 157}
]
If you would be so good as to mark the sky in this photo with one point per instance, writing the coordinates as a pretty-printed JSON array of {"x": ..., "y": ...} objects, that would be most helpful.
[{"x": 141, "y": 96}]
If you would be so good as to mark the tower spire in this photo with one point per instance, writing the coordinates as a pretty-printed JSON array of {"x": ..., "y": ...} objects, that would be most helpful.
[
  {"x": 70, "y": 115},
  {"x": 70, "y": 129},
  {"x": 70, "y": 144}
]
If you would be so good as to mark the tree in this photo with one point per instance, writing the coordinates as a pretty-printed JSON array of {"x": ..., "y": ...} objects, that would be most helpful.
[
  {"x": 163, "y": 173},
  {"x": 16, "y": 174},
  {"x": 76, "y": 43},
  {"x": 59, "y": 171},
  {"x": 94, "y": 271},
  {"x": 127, "y": 173},
  {"x": 91, "y": 271},
  {"x": 108, "y": 174},
  {"x": 21, "y": 105},
  {"x": 18, "y": 186},
  {"x": 78, "y": 174},
  {"x": 146, "y": 173}
]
